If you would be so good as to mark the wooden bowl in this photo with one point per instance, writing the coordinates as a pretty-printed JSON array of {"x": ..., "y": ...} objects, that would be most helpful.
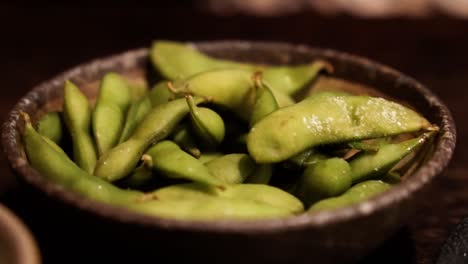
[
  {"x": 17, "y": 245},
  {"x": 339, "y": 236}
]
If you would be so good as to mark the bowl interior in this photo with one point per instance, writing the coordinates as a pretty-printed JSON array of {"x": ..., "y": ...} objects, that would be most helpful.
[{"x": 351, "y": 73}]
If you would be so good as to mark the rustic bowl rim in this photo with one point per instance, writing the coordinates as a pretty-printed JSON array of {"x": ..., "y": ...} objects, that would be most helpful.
[
  {"x": 17, "y": 235},
  {"x": 442, "y": 155}
]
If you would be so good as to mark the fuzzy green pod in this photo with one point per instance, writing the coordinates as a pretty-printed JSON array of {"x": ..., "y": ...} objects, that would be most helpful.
[
  {"x": 171, "y": 161},
  {"x": 160, "y": 94},
  {"x": 325, "y": 119},
  {"x": 141, "y": 175},
  {"x": 258, "y": 193},
  {"x": 178, "y": 60},
  {"x": 231, "y": 168},
  {"x": 50, "y": 126},
  {"x": 50, "y": 160},
  {"x": 108, "y": 117},
  {"x": 356, "y": 194},
  {"x": 265, "y": 102},
  {"x": 157, "y": 125},
  {"x": 207, "y": 124},
  {"x": 326, "y": 178},
  {"x": 230, "y": 88},
  {"x": 135, "y": 114},
  {"x": 369, "y": 165},
  {"x": 183, "y": 137},
  {"x": 261, "y": 175},
  {"x": 77, "y": 115}
]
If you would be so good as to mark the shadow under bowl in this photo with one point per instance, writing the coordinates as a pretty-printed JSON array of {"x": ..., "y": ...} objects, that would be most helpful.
[{"x": 339, "y": 236}]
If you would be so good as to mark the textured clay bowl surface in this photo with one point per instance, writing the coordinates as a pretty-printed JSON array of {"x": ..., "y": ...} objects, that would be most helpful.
[
  {"x": 17, "y": 246},
  {"x": 338, "y": 236}
]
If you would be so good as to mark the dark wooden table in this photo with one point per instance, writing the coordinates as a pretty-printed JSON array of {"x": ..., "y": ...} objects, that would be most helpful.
[{"x": 38, "y": 43}]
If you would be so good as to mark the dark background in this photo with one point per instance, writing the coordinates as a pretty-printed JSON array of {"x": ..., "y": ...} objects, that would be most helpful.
[{"x": 38, "y": 42}]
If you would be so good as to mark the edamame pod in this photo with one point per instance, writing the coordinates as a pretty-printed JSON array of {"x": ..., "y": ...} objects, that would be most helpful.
[
  {"x": 265, "y": 102},
  {"x": 210, "y": 208},
  {"x": 55, "y": 165},
  {"x": 206, "y": 123},
  {"x": 208, "y": 156},
  {"x": 178, "y": 60},
  {"x": 50, "y": 126},
  {"x": 324, "y": 119},
  {"x": 77, "y": 115},
  {"x": 261, "y": 175},
  {"x": 231, "y": 168},
  {"x": 282, "y": 98},
  {"x": 142, "y": 174},
  {"x": 160, "y": 94},
  {"x": 138, "y": 88},
  {"x": 109, "y": 113},
  {"x": 370, "y": 165},
  {"x": 308, "y": 157},
  {"x": 326, "y": 178},
  {"x": 231, "y": 88},
  {"x": 173, "y": 162},
  {"x": 290, "y": 79},
  {"x": 258, "y": 193},
  {"x": 185, "y": 140},
  {"x": 49, "y": 160},
  {"x": 157, "y": 125},
  {"x": 135, "y": 114},
  {"x": 358, "y": 193},
  {"x": 264, "y": 194}
]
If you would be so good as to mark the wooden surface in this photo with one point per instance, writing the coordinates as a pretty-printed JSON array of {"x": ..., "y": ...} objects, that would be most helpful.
[{"x": 38, "y": 43}]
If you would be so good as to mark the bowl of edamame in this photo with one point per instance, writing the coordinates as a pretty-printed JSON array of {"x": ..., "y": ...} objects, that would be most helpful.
[
  {"x": 17, "y": 245},
  {"x": 198, "y": 149}
]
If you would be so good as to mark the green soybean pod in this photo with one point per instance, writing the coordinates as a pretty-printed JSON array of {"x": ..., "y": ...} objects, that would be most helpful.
[
  {"x": 261, "y": 175},
  {"x": 135, "y": 114},
  {"x": 208, "y": 156},
  {"x": 290, "y": 79},
  {"x": 230, "y": 88},
  {"x": 265, "y": 102},
  {"x": 179, "y": 60},
  {"x": 258, "y": 193},
  {"x": 77, "y": 115},
  {"x": 207, "y": 124},
  {"x": 171, "y": 161},
  {"x": 157, "y": 125},
  {"x": 231, "y": 168},
  {"x": 358, "y": 193},
  {"x": 108, "y": 117},
  {"x": 160, "y": 94},
  {"x": 282, "y": 98},
  {"x": 54, "y": 164},
  {"x": 50, "y": 160},
  {"x": 308, "y": 157},
  {"x": 50, "y": 126},
  {"x": 325, "y": 119},
  {"x": 141, "y": 175},
  {"x": 369, "y": 165},
  {"x": 326, "y": 178},
  {"x": 210, "y": 208},
  {"x": 183, "y": 137},
  {"x": 264, "y": 194}
]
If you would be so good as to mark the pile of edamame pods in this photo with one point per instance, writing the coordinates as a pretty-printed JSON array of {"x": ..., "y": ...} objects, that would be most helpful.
[{"x": 219, "y": 139}]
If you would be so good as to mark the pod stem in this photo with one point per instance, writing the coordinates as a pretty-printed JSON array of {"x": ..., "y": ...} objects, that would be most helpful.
[
  {"x": 26, "y": 117},
  {"x": 147, "y": 161},
  {"x": 326, "y": 66}
]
